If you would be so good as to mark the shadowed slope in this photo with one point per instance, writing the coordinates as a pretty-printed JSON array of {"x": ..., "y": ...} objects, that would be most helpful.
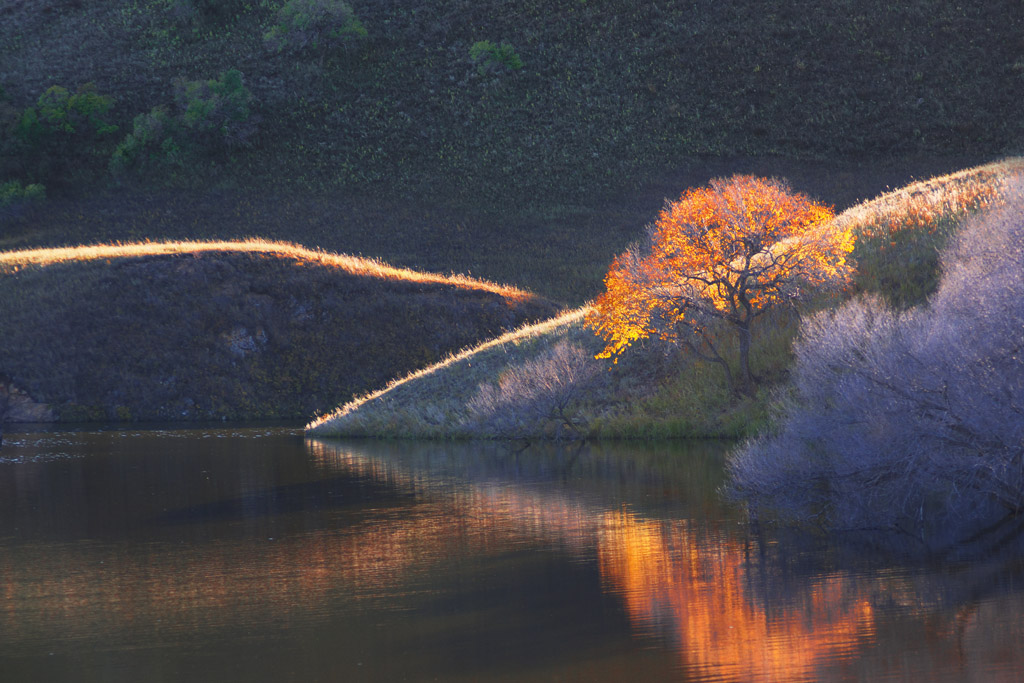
[
  {"x": 431, "y": 402},
  {"x": 610, "y": 93},
  {"x": 229, "y": 330}
]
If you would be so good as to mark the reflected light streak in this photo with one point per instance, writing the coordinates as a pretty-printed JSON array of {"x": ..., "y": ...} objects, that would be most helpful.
[{"x": 694, "y": 592}]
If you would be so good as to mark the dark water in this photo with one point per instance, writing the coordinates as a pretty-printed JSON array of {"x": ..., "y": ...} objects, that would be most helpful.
[{"x": 256, "y": 555}]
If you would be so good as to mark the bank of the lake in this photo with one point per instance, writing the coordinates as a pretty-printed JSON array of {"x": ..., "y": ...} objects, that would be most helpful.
[{"x": 543, "y": 381}]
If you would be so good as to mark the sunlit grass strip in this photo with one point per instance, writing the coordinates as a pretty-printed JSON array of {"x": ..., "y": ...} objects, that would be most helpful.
[
  {"x": 332, "y": 422},
  {"x": 953, "y": 193},
  {"x": 356, "y": 265},
  {"x": 898, "y": 236},
  {"x": 921, "y": 206}
]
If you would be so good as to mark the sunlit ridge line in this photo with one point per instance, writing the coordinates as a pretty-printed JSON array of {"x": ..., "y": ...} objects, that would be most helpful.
[
  {"x": 356, "y": 265},
  {"x": 932, "y": 190},
  {"x": 524, "y": 332}
]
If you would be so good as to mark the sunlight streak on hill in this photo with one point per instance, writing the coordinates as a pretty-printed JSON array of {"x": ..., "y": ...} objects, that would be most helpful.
[{"x": 356, "y": 265}]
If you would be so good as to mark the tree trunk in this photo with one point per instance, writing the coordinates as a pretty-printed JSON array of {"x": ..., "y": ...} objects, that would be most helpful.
[
  {"x": 712, "y": 357},
  {"x": 746, "y": 379}
]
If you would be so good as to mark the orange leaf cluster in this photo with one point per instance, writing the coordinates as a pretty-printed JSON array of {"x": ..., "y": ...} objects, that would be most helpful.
[{"x": 728, "y": 252}]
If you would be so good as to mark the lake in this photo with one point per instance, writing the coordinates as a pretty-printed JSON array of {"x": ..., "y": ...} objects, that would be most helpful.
[{"x": 254, "y": 554}]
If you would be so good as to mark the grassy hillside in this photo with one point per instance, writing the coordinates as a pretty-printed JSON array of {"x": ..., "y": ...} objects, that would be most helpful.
[
  {"x": 608, "y": 92},
  {"x": 401, "y": 145},
  {"x": 652, "y": 392},
  {"x": 228, "y": 330},
  {"x": 655, "y": 391}
]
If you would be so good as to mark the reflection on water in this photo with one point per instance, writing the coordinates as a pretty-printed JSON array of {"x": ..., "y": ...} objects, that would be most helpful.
[
  {"x": 696, "y": 592},
  {"x": 256, "y": 555}
]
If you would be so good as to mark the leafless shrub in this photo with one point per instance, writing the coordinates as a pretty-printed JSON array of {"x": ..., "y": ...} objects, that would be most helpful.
[
  {"x": 537, "y": 397},
  {"x": 911, "y": 422}
]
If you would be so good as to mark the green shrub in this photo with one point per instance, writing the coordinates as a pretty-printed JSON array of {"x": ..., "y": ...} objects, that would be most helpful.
[
  {"x": 220, "y": 110},
  {"x": 491, "y": 58},
  {"x": 902, "y": 267},
  {"x": 13, "y": 193},
  {"x": 207, "y": 118},
  {"x": 61, "y": 116},
  {"x": 897, "y": 254},
  {"x": 16, "y": 198},
  {"x": 319, "y": 25},
  {"x": 64, "y": 135},
  {"x": 150, "y": 143}
]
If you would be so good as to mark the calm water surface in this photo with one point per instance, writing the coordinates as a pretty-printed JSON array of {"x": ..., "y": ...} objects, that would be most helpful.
[{"x": 257, "y": 555}]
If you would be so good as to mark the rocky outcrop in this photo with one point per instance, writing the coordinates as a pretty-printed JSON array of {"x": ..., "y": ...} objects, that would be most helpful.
[{"x": 16, "y": 405}]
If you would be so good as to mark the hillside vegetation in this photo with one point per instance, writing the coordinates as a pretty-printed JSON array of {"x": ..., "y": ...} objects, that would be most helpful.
[
  {"x": 909, "y": 422},
  {"x": 607, "y": 92},
  {"x": 242, "y": 330},
  {"x": 447, "y": 133},
  {"x": 543, "y": 381}
]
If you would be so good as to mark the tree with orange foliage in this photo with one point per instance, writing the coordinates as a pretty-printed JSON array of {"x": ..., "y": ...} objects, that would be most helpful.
[{"x": 727, "y": 253}]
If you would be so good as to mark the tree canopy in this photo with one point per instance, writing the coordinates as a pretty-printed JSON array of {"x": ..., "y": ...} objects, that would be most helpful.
[{"x": 725, "y": 253}]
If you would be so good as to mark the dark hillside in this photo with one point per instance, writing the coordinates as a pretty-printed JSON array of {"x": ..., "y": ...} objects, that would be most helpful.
[
  {"x": 272, "y": 333},
  {"x": 613, "y": 99},
  {"x": 610, "y": 93}
]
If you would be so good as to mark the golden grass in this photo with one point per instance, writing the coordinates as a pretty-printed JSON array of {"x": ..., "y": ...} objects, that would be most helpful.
[
  {"x": 525, "y": 332},
  {"x": 951, "y": 193},
  {"x": 918, "y": 206},
  {"x": 355, "y": 265}
]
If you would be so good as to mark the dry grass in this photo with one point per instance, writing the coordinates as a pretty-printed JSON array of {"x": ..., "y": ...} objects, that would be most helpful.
[
  {"x": 898, "y": 236},
  {"x": 921, "y": 204},
  {"x": 337, "y": 422},
  {"x": 354, "y": 265}
]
